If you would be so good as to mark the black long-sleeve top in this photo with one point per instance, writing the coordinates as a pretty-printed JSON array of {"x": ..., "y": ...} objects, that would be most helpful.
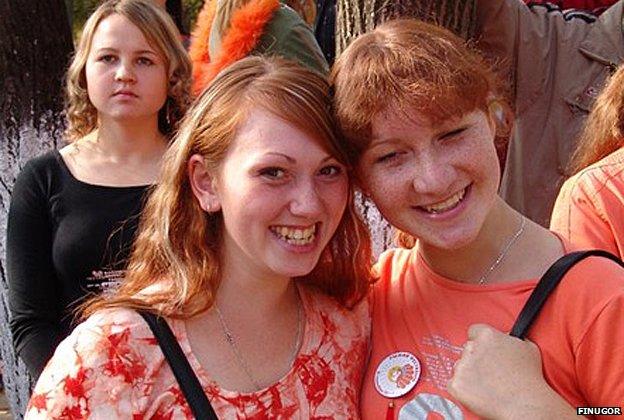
[{"x": 66, "y": 240}]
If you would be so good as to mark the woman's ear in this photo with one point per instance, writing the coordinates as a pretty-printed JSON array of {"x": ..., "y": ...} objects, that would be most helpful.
[
  {"x": 204, "y": 184},
  {"x": 500, "y": 116}
]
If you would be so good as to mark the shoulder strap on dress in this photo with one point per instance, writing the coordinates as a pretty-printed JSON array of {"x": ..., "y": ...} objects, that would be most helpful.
[{"x": 547, "y": 284}]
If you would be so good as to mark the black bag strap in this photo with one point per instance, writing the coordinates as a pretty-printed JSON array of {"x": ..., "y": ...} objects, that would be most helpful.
[
  {"x": 547, "y": 284},
  {"x": 189, "y": 384}
]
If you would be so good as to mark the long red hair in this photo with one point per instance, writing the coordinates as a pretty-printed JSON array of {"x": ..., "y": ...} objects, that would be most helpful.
[{"x": 174, "y": 269}]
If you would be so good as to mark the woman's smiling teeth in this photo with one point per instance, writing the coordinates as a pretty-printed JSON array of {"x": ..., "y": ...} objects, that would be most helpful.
[
  {"x": 446, "y": 205},
  {"x": 295, "y": 236}
]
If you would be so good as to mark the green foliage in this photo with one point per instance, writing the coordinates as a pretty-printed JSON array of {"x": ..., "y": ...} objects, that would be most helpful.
[
  {"x": 191, "y": 9},
  {"x": 81, "y": 11}
]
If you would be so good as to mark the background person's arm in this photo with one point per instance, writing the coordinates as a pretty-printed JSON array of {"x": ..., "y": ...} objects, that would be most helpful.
[{"x": 33, "y": 286}]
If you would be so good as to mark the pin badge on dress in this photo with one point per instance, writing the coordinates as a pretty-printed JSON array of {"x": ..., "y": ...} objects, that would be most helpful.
[{"x": 397, "y": 374}]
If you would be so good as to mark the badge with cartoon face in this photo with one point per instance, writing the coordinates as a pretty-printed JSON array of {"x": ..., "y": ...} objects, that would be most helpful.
[{"x": 397, "y": 374}]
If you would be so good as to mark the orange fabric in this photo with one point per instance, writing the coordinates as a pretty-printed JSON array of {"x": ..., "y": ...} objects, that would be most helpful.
[
  {"x": 580, "y": 332},
  {"x": 200, "y": 39},
  {"x": 589, "y": 210},
  {"x": 246, "y": 29}
]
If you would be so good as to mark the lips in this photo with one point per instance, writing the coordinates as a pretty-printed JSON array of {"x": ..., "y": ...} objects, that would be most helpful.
[
  {"x": 125, "y": 93},
  {"x": 445, "y": 205}
]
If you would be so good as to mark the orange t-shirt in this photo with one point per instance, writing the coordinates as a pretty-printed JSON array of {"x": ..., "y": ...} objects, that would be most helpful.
[
  {"x": 580, "y": 332},
  {"x": 589, "y": 210}
]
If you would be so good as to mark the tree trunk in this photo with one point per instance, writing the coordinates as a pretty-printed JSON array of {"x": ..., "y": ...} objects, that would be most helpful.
[
  {"x": 35, "y": 44},
  {"x": 356, "y": 17}
]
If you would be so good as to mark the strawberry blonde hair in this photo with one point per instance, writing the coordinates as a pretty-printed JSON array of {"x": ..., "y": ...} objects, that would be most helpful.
[
  {"x": 411, "y": 64},
  {"x": 178, "y": 243},
  {"x": 161, "y": 33},
  {"x": 603, "y": 132}
]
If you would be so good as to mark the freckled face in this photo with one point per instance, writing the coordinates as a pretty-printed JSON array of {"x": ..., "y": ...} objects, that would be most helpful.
[
  {"x": 126, "y": 77},
  {"x": 437, "y": 183},
  {"x": 282, "y": 197}
]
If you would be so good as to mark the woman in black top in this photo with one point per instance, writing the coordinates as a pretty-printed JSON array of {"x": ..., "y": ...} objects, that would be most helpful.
[{"x": 74, "y": 212}]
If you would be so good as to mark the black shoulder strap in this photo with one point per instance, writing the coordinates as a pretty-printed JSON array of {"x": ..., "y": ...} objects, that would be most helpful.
[
  {"x": 189, "y": 384},
  {"x": 547, "y": 284}
]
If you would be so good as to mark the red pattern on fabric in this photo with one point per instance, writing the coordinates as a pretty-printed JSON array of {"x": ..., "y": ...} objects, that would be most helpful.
[
  {"x": 74, "y": 385},
  {"x": 111, "y": 368},
  {"x": 73, "y": 412},
  {"x": 38, "y": 401},
  {"x": 122, "y": 361}
]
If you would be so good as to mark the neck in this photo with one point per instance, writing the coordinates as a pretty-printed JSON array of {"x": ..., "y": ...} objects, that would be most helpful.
[
  {"x": 124, "y": 141},
  {"x": 468, "y": 263},
  {"x": 243, "y": 291}
]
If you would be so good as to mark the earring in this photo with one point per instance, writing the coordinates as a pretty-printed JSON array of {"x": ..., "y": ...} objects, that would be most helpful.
[{"x": 167, "y": 113}]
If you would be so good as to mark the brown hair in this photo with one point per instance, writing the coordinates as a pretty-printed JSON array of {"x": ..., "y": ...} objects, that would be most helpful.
[
  {"x": 161, "y": 33},
  {"x": 178, "y": 243},
  {"x": 603, "y": 132},
  {"x": 409, "y": 64}
]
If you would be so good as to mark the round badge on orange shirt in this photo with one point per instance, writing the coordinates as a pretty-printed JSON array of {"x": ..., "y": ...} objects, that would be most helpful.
[{"x": 397, "y": 374}]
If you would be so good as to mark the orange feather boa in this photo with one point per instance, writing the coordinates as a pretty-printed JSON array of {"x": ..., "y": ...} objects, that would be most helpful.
[{"x": 246, "y": 28}]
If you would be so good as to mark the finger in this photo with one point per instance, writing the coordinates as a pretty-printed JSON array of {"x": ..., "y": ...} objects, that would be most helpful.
[
  {"x": 469, "y": 348},
  {"x": 475, "y": 330},
  {"x": 534, "y": 347},
  {"x": 457, "y": 366}
]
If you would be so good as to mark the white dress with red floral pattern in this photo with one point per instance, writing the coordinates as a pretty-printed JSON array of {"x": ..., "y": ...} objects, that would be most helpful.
[{"x": 111, "y": 367}]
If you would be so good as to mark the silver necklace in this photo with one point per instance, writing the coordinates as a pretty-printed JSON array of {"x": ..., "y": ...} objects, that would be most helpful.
[
  {"x": 229, "y": 337},
  {"x": 503, "y": 253}
]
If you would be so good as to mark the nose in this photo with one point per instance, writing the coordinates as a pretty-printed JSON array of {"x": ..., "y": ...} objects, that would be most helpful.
[
  {"x": 305, "y": 200},
  {"x": 125, "y": 72},
  {"x": 432, "y": 176}
]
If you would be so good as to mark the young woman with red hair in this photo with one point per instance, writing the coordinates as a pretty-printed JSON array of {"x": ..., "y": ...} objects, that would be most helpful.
[
  {"x": 251, "y": 250},
  {"x": 420, "y": 111}
]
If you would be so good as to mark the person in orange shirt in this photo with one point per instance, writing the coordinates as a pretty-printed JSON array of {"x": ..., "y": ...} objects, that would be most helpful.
[
  {"x": 420, "y": 111},
  {"x": 589, "y": 210}
]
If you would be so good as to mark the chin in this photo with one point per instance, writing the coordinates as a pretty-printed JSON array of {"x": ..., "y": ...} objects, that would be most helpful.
[
  {"x": 293, "y": 271},
  {"x": 450, "y": 241}
]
